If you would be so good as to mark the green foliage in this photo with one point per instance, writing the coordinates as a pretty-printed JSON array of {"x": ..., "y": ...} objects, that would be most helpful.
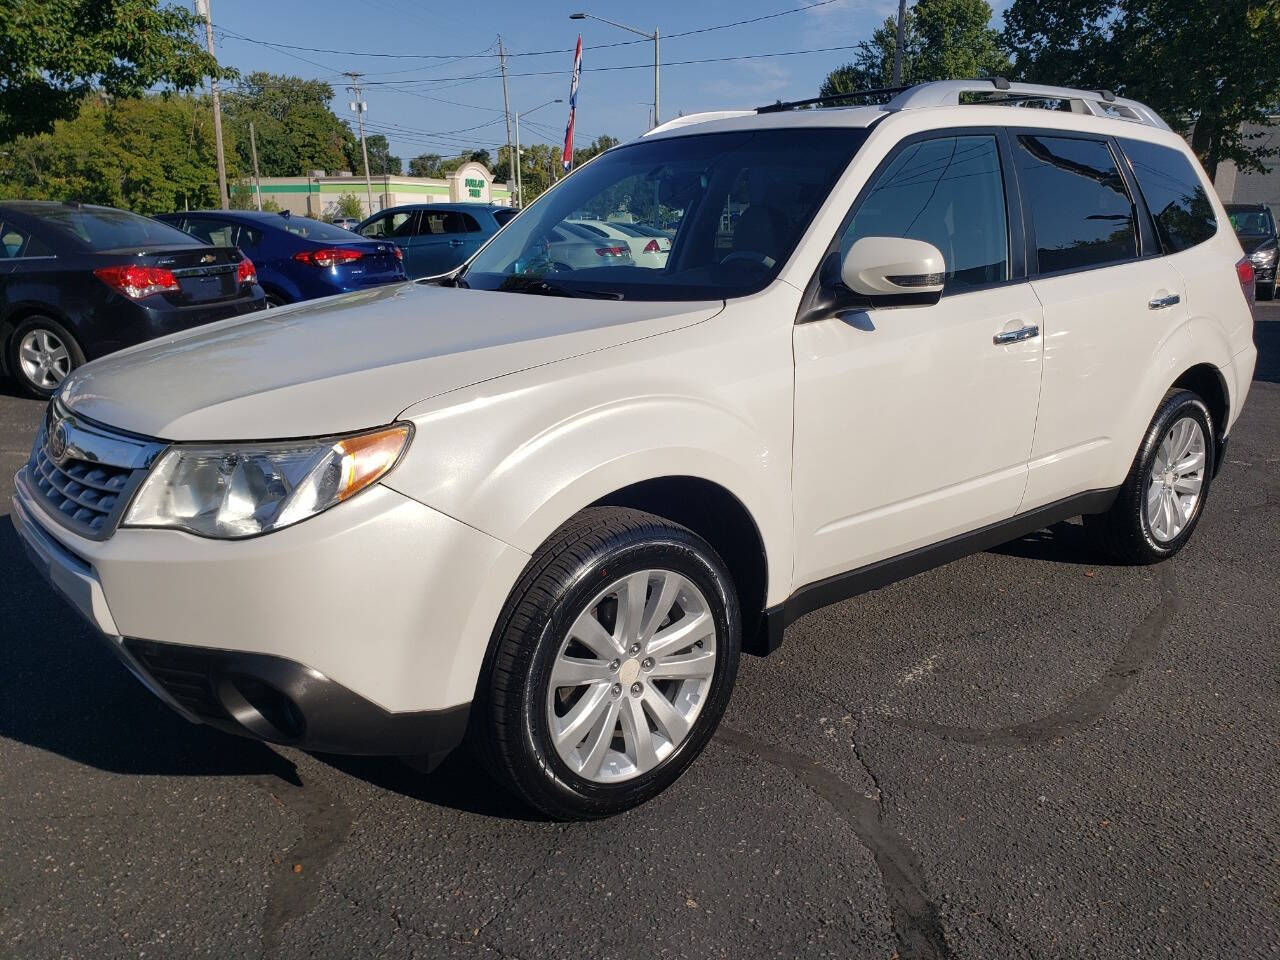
[
  {"x": 349, "y": 205},
  {"x": 55, "y": 52},
  {"x": 294, "y": 127},
  {"x": 943, "y": 40},
  {"x": 153, "y": 154},
  {"x": 245, "y": 197},
  {"x": 426, "y": 165},
  {"x": 1207, "y": 66},
  {"x": 381, "y": 163}
]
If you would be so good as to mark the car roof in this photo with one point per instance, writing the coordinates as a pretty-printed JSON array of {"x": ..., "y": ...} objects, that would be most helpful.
[
  {"x": 33, "y": 208},
  {"x": 257, "y": 216},
  {"x": 464, "y": 207}
]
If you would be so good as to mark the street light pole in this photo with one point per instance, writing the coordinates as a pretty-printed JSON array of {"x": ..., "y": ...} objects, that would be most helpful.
[
  {"x": 202, "y": 10},
  {"x": 657, "y": 60},
  {"x": 517, "y": 159}
]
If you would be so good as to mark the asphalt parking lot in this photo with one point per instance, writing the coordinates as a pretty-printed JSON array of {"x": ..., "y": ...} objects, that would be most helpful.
[{"x": 1026, "y": 753}]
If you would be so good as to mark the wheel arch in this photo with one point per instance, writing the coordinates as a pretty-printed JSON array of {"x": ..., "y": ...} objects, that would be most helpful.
[
  {"x": 719, "y": 517},
  {"x": 24, "y": 310},
  {"x": 1208, "y": 382}
]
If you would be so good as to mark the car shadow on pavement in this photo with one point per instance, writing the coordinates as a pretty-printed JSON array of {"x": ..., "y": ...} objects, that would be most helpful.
[
  {"x": 62, "y": 690},
  {"x": 1060, "y": 543}
]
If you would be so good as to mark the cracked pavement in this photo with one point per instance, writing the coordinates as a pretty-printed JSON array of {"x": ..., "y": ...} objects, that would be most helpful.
[{"x": 1026, "y": 753}]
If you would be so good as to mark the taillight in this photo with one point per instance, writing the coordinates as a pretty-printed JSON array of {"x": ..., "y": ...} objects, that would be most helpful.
[
  {"x": 652, "y": 247},
  {"x": 398, "y": 252},
  {"x": 611, "y": 251},
  {"x": 1244, "y": 270},
  {"x": 246, "y": 272},
  {"x": 328, "y": 256},
  {"x": 137, "y": 282}
]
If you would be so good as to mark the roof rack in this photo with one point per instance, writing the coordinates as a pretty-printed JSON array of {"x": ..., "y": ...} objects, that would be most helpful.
[
  {"x": 830, "y": 98},
  {"x": 1098, "y": 103}
]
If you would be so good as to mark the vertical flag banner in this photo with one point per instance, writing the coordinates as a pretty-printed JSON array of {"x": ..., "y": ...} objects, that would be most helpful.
[{"x": 567, "y": 159}]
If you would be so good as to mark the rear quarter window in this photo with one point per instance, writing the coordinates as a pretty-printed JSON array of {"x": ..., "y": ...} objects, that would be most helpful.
[{"x": 1174, "y": 194}]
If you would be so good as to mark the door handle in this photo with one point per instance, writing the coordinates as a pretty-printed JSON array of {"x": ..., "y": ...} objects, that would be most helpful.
[
  {"x": 1016, "y": 336},
  {"x": 455, "y": 243},
  {"x": 1160, "y": 303}
]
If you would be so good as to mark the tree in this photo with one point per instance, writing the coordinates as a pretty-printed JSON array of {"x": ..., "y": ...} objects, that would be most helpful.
[
  {"x": 381, "y": 162},
  {"x": 151, "y": 154},
  {"x": 350, "y": 205},
  {"x": 55, "y": 52},
  {"x": 295, "y": 129},
  {"x": 1207, "y": 66},
  {"x": 943, "y": 40},
  {"x": 426, "y": 165}
]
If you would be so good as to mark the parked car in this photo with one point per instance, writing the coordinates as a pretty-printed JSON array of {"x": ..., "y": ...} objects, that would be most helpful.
[
  {"x": 646, "y": 249},
  {"x": 436, "y": 237},
  {"x": 545, "y": 507},
  {"x": 1255, "y": 225},
  {"x": 297, "y": 258},
  {"x": 79, "y": 281},
  {"x": 569, "y": 246},
  {"x": 346, "y": 223}
]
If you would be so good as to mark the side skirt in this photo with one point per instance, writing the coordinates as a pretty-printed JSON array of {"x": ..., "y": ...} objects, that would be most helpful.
[{"x": 842, "y": 586}]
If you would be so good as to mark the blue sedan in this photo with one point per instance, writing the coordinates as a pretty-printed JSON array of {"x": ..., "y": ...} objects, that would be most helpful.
[
  {"x": 297, "y": 258},
  {"x": 436, "y": 237}
]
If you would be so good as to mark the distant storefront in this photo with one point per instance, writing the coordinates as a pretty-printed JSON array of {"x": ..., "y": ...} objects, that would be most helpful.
[
  {"x": 317, "y": 196},
  {"x": 1237, "y": 186}
]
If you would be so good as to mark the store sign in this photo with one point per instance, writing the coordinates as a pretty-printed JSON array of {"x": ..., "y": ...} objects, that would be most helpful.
[{"x": 474, "y": 187}]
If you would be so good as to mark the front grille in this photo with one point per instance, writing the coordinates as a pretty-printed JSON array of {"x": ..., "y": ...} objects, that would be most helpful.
[
  {"x": 87, "y": 485},
  {"x": 183, "y": 674},
  {"x": 84, "y": 493}
]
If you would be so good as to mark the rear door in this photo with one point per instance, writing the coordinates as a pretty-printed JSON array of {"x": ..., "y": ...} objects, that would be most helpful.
[
  {"x": 445, "y": 239},
  {"x": 914, "y": 423},
  {"x": 1110, "y": 302}
]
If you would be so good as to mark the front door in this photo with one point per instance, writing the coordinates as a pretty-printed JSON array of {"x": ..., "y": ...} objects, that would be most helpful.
[
  {"x": 445, "y": 239},
  {"x": 914, "y": 424}
]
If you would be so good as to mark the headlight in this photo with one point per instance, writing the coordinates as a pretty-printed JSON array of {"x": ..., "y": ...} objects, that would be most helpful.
[
  {"x": 1261, "y": 257},
  {"x": 239, "y": 490}
]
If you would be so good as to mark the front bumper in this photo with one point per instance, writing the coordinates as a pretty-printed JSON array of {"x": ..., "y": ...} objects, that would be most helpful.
[{"x": 361, "y": 630}]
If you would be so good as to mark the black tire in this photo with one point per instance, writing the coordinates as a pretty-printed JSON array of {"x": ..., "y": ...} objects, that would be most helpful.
[
  {"x": 1123, "y": 532},
  {"x": 26, "y": 326},
  {"x": 509, "y": 732},
  {"x": 1267, "y": 291},
  {"x": 274, "y": 300}
]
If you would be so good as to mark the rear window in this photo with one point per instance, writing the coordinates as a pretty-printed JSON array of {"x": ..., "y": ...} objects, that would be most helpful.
[
  {"x": 1080, "y": 210},
  {"x": 502, "y": 216},
  {"x": 100, "y": 228},
  {"x": 1251, "y": 223},
  {"x": 314, "y": 229},
  {"x": 1176, "y": 198}
]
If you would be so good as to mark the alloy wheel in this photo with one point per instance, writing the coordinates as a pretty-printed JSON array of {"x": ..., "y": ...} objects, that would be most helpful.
[
  {"x": 44, "y": 358},
  {"x": 631, "y": 676},
  {"x": 1177, "y": 479}
]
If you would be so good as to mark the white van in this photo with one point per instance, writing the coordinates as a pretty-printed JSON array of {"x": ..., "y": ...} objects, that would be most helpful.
[{"x": 543, "y": 507}]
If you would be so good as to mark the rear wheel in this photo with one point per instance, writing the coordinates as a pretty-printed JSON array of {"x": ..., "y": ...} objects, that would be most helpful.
[
  {"x": 41, "y": 355},
  {"x": 613, "y": 663},
  {"x": 1164, "y": 494}
]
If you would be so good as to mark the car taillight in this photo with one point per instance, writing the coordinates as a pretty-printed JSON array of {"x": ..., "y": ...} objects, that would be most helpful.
[
  {"x": 652, "y": 247},
  {"x": 398, "y": 253},
  {"x": 246, "y": 272},
  {"x": 137, "y": 282},
  {"x": 328, "y": 256},
  {"x": 611, "y": 251},
  {"x": 1244, "y": 270}
]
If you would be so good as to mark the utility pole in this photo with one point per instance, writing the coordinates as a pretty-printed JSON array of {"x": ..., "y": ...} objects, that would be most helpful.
[
  {"x": 506, "y": 103},
  {"x": 897, "y": 47},
  {"x": 257, "y": 182},
  {"x": 202, "y": 10},
  {"x": 657, "y": 99},
  {"x": 359, "y": 106},
  {"x": 516, "y": 161}
]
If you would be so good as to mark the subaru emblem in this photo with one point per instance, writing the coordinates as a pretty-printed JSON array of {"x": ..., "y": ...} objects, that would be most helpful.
[{"x": 58, "y": 441}]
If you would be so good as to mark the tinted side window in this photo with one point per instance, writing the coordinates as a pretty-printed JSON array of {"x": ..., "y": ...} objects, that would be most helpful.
[
  {"x": 248, "y": 237},
  {"x": 950, "y": 193},
  {"x": 18, "y": 242},
  {"x": 1080, "y": 210},
  {"x": 1174, "y": 194},
  {"x": 220, "y": 233},
  {"x": 448, "y": 221},
  {"x": 502, "y": 216}
]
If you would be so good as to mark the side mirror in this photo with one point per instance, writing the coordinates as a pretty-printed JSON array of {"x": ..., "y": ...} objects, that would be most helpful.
[{"x": 893, "y": 270}]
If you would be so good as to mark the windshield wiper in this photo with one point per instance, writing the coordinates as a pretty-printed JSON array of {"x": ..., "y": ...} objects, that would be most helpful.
[{"x": 544, "y": 287}]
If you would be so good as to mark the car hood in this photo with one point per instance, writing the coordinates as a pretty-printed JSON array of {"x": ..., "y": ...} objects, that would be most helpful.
[{"x": 349, "y": 362}]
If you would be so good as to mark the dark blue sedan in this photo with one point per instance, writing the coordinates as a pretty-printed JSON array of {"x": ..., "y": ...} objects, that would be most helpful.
[
  {"x": 436, "y": 237},
  {"x": 297, "y": 258}
]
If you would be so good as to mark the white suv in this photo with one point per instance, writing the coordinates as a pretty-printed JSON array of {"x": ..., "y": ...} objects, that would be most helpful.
[{"x": 543, "y": 507}]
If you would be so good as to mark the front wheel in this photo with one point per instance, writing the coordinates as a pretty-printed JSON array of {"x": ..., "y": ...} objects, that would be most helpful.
[
  {"x": 612, "y": 664},
  {"x": 1164, "y": 494}
]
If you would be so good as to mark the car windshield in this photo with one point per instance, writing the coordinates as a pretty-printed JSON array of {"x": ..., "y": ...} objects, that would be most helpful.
[
  {"x": 734, "y": 205},
  {"x": 1251, "y": 223},
  {"x": 315, "y": 229},
  {"x": 100, "y": 228}
]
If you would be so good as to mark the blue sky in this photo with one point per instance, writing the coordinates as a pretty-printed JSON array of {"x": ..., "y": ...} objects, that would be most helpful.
[{"x": 428, "y": 105}]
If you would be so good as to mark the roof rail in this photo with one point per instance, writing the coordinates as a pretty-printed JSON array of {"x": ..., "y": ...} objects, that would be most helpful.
[
  {"x": 830, "y": 98},
  {"x": 1098, "y": 103}
]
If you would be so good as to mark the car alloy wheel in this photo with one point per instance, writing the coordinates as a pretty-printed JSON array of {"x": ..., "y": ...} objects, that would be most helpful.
[
  {"x": 1177, "y": 479},
  {"x": 631, "y": 676},
  {"x": 44, "y": 358}
]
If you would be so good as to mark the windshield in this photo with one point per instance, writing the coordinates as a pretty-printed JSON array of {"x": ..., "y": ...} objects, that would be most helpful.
[
  {"x": 1251, "y": 223},
  {"x": 732, "y": 205},
  {"x": 101, "y": 228}
]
